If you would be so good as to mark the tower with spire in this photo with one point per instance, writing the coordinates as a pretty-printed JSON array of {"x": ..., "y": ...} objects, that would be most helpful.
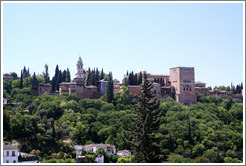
[
  {"x": 80, "y": 69},
  {"x": 80, "y": 76}
]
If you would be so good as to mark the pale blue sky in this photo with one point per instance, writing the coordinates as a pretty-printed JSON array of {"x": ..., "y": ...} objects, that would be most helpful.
[{"x": 120, "y": 37}]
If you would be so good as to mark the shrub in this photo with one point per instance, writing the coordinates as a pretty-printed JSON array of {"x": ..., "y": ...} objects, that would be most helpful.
[{"x": 202, "y": 160}]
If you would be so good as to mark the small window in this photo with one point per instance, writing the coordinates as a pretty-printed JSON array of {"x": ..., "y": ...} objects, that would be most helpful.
[
  {"x": 13, "y": 153},
  {"x": 14, "y": 161},
  {"x": 7, "y": 153},
  {"x": 7, "y": 161},
  {"x": 184, "y": 89},
  {"x": 190, "y": 89}
]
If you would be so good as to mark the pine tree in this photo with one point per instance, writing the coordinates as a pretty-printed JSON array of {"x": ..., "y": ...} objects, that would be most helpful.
[
  {"x": 140, "y": 78},
  {"x": 68, "y": 76},
  {"x": 46, "y": 74},
  {"x": 34, "y": 82},
  {"x": 110, "y": 88},
  {"x": 127, "y": 73},
  {"x": 21, "y": 80},
  {"x": 146, "y": 125},
  {"x": 102, "y": 75}
]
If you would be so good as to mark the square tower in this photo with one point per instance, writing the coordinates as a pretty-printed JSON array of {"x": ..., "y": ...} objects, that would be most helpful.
[{"x": 183, "y": 80}]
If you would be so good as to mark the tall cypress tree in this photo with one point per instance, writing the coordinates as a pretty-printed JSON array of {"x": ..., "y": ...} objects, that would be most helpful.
[
  {"x": 59, "y": 80},
  {"x": 21, "y": 80},
  {"x": 140, "y": 78},
  {"x": 93, "y": 77},
  {"x": 88, "y": 79},
  {"x": 46, "y": 74},
  {"x": 135, "y": 79},
  {"x": 146, "y": 125},
  {"x": 68, "y": 76},
  {"x": 34, "y": 82},
  {"x": 130, "y": 79},
  {"x": 64, "y": 73},
  {"x": 56, "y": 72},
  {"x": 24, "y": 72},
  {"x": 102, "y": 75},
  {"x": 97, "y": 75},
  {"x": 110, "y": 88},
  {"x": 53, "y": 82}
]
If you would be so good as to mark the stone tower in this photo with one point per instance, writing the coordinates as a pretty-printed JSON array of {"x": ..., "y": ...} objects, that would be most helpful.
[
  {"x": 183, "y": 80},
  {"x": 80, "y": 76}
]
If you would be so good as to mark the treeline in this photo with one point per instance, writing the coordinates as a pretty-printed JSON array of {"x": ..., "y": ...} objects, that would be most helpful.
[
  {"x": 93, "y": 76},
  {"x": 133, "y": 79},
  {"x": 233, "y": 89},
  {"x": 136, "y": 79},
  {"x": 60, "y": 76}
]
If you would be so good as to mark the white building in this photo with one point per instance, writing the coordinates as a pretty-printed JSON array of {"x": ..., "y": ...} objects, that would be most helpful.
[
  {"x": 5, "y": 101},
  {"x": 110, "y": 149},
  {"x": 123, "y": 153},
  {"x": 10, "y": 154}
]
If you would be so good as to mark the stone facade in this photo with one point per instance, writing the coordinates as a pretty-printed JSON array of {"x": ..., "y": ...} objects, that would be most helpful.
[
  {"x": 44, "y": 89},
  {"x": 152, "y": 77},
  {"x": 183, "y": 80}
]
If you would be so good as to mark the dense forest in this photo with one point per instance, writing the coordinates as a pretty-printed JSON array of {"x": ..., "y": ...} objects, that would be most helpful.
[{"x": 209, "y": 131}]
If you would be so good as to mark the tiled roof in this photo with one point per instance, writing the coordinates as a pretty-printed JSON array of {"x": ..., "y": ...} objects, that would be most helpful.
[
  {"x": 91, "y": 86},
  {"x": 26, "y": 154},
  {"x": 8, "y": 147},
  {"x": 99, "y": 145},
  {"x": 125, "y": 151}
]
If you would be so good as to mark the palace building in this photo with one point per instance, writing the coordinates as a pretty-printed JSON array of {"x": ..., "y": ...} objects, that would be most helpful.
[{"x": 179, "y": 84}]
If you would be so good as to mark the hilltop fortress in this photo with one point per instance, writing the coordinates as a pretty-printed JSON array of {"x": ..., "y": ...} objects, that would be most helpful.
[{"x": 179, "y": 84}]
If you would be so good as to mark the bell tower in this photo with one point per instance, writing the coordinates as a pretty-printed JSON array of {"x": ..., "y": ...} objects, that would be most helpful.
[
  {"x": 80, "y": 76},
  {"x": 79, "y": 73}
]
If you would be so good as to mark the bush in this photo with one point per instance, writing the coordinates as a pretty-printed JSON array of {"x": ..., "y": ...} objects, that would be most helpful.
[
  {"x": 179, "y": 159},
  {"x": 202, "y": 160},
  {"x": 68, "y": 156},
  {"x": 231, "y": 153},
  {"x": 231, "y": 160},
  {"x": 198, "y": 150}
]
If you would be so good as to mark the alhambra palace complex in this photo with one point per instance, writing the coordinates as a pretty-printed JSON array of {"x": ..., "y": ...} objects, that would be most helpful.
[{"x": 179, "y": 84}]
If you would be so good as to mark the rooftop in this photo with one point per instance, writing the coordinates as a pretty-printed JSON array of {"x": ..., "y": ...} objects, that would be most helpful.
[
  {"x": 125, "y": 151},
  {"x": 99, "y": 145},
  {"x": 8, "y": 147}
]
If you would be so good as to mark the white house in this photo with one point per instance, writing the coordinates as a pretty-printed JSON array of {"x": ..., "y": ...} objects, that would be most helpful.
[
  {"x": 110, "y": 149},
  {"x": 123, "y": 153},
  {"x": 5, "y": 101},
  {"x": 10, "y": 154}
]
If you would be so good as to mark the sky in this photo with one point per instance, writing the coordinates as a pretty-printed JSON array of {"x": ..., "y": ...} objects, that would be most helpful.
[{"x": 117, "y": 37}]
